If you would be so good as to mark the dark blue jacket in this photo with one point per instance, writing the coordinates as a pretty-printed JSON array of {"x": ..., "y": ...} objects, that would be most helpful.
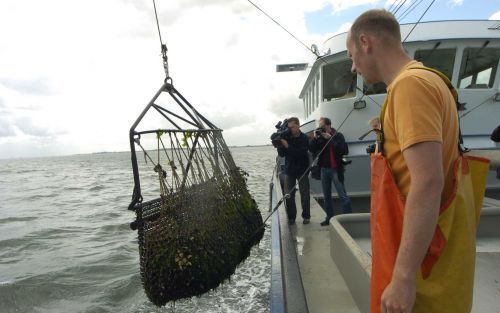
[{"x": 296, "y": 156}]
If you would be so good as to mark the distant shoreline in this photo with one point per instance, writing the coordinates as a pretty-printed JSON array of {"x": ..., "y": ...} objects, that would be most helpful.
[{"x": 107, "y": 152}]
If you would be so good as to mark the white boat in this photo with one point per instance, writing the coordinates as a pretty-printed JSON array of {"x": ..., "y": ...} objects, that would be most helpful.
[
  {"x": 467, "y": 52},
  {"x": 327, "y": 269}
]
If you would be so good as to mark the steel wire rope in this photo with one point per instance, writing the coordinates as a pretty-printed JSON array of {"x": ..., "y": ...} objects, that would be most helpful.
[
  {"x": 392, "y": 5},
  {"x": 287, "y": 196},
  {"x": 277, "y": 23},
  {"x": 306, "y": 172},
  {"x": 477, "y": 106},
  {"x": 419, "y": 20},
  {"x": 398, "y": 8},
  {"x": 410, "y": 9}
]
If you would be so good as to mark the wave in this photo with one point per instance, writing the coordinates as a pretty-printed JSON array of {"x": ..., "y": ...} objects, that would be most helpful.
[
  {"x": 68, "y": 188},
  {"x": 69, "y": 247},
  {"x": 40, "y": 196},
  {"x": 97, "y": 188},
  {"x": 14, "y": 219}
]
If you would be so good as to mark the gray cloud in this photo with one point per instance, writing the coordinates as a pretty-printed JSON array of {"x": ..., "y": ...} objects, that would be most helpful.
[
  {"x": 36, "y": 86},
  {"x": 26, "y": 125},
  {"x": 229, "y": 120},
  {"x": 6, "y": 129},
  {"x": 32, "y": 148},
  {"x": 3, "y": 108},
  {"x": 286, "y": 107},
  {"x": 169, "y": 14},
  {"x": 6, "y": 110}
]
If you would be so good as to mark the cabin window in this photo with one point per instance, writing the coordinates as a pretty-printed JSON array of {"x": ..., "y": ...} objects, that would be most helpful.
[
  {"x": 374, "y": 89},
  {"x": 442, "y": 60},
  {"x": 479, "y": 68},
  {"x": 309, "y": 98},
  {"x": 310, "y": 101},
  {"x": 315, "y": 95},
  {"x": 307, "y": 103},
  {"x": 317, "y": 91},
  {"x": 338, "y": 81}
]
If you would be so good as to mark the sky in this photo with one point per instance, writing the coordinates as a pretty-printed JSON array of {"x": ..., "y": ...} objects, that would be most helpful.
[{"x": 74, "y": 75}]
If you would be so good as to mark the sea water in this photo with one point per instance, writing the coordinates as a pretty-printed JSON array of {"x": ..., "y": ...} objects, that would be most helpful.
[{"x": 66, "y": 245}]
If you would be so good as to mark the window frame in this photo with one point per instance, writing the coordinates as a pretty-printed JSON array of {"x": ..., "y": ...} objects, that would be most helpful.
[
  {"x": 495, "y": 77},
  {"x": 436, "y": 49},
  {"x": 339, "y": 58}
]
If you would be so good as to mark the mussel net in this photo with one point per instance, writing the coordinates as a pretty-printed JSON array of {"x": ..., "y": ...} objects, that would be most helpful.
[{"x": 204, "y": 222}]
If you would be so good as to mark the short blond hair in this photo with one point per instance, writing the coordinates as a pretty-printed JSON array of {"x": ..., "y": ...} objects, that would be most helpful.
[{"x": 377, "y": 22}]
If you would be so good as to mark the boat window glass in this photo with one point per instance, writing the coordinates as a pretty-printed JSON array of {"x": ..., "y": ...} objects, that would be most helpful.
[
  {"x": 374, "y": 89},
  {"x": 315, "y": 95},
  {"x": 310, "y": 102},
  {"x": 441, "y": 59},
  {"x": 317, "y": 90},
  {"x": 307, "y": 102},
  {"x": 479, "y": 68},
  {"x": 338, "y": 81}
]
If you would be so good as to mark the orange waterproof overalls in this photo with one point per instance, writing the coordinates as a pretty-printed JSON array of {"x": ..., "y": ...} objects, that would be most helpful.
[{"x": 446, "y": 277}]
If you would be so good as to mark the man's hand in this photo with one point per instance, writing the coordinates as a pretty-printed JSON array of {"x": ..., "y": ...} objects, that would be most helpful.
[
  {"x": 326, "y": 136},
  {"x": 284, "y": 143},
  {"x": 399, "y": 296}
]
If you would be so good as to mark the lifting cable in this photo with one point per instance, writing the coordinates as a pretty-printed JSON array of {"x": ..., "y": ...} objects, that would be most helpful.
[
  {"x": 398, "y": 8},
  {"x": 306, "y": 172},
  {"x": 419, "y": 20},
  {"x": 277, "y": 23},
  {"x": 410, "y": 9},
  {"x": 163, "y": 47},
  {"x": 393, "y": 5}
]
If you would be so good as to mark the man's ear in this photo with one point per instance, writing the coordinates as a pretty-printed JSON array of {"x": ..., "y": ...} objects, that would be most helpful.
[{"x": 365, "y": 42}]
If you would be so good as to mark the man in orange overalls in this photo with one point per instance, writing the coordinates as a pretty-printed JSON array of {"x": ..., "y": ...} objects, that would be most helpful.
[{"x": 425, "y": 194}]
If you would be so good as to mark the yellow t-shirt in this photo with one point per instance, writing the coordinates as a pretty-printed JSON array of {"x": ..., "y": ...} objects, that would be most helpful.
[{"x": 420, "y": 108}]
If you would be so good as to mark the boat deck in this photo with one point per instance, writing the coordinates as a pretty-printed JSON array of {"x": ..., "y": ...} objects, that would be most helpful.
[
  {"x": 325, "y": 289},
  {"x": 323, "y": 286},
  {"x": 487, "y": 274},
  {"x": 304, "y": 252}
]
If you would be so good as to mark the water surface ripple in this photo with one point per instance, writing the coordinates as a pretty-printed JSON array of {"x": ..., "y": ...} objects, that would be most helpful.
[{"x": 65, "y": 243}]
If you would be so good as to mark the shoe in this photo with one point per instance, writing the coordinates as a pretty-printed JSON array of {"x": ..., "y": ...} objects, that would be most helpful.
[
  {"x": 291, "y": 222},
  {"x": 306, "y": 221},
  {"x": 325, "y": 223}
]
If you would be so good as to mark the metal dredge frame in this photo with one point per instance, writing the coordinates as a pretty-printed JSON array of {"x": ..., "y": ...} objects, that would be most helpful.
[{"x": 201, "y": 126}]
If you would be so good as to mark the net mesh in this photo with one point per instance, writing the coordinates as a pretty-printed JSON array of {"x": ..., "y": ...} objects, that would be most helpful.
[{"x": 204, "y": 222}]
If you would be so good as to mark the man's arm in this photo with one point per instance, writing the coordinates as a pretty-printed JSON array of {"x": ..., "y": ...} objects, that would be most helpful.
[
  {"x": 281, "y": 151},
  {"x": 299, "y": 149},
  {"x": 420, "y": 219},
  {"x": 344, "y": 149},
  {"x": 313, "y": 145}
]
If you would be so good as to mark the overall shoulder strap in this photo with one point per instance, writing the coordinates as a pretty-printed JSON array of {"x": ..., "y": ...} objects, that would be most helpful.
[{"x": 454, "y": 93}]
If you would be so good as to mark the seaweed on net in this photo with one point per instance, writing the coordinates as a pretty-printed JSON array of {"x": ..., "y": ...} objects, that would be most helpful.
[{"x": 204, "y": 222}]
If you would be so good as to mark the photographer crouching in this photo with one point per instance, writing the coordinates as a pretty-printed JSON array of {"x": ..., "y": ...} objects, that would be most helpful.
[
  {"x": 331, "y": 164},
  {"x": 293, "y": 145}
]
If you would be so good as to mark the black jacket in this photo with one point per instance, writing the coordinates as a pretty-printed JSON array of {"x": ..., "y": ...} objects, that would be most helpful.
[
  {"x": 296, "y": 157},
  {"x": 340, "y": 148},
  {"x": 495, "y": 135}
]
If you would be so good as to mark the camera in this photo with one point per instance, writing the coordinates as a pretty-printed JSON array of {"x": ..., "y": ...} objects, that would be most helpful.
[
  {"x": 346, "y": 161},
  {"x": 318, "y": 132},
  {"x": 370, "y": 149},
  {"x": 282, "y": 132}
]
